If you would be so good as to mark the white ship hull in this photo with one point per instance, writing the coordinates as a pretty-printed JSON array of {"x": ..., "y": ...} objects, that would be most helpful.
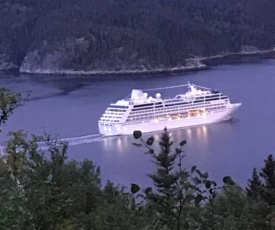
[{"x": 158, "y": 125}]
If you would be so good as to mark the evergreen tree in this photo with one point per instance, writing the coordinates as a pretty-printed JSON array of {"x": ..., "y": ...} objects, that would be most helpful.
[
  {"x": 9, "y": 101},
  {"x": 178, "y": 191},
  {"x": 254, "y": 188},
  {"x": 165, "y": 178},
  {"x": 268, "y": 175},
  {"x": 261, "y": 189}
]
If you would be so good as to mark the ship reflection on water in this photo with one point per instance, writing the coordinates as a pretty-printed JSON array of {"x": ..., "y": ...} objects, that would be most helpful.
[
  {"x": 117, "y": 143},
  {"x": 125, "y": 163},
  {"x": 123, "y": 144},
  {"x": 199, "y": 133}
]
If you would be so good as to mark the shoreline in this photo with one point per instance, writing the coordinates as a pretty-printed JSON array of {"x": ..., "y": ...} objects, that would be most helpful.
[
  {"x": 240, "y": 57},
  {"x": 122, "y": 72},
  {"x": 201, "y": 63}
]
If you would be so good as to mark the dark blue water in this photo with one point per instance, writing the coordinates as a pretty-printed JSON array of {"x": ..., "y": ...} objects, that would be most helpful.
[{"x": 71, "y": 106}]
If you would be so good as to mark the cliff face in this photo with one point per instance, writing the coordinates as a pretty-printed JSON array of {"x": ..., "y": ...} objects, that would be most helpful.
[
  {"x": 36, "y": 62},
  {"x": 100, "y": 49},
  {"x": 127, "y": 35}
]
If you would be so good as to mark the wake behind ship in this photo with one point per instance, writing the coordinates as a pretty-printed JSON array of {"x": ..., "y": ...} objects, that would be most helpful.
[{"x": 198, "y": 106}]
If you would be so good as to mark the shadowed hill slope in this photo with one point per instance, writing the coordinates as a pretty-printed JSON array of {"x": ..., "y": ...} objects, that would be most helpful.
[{"x": 118, "y": 35}]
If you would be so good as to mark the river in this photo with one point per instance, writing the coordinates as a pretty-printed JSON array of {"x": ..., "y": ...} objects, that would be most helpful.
[{"x": 71, "y": 107}]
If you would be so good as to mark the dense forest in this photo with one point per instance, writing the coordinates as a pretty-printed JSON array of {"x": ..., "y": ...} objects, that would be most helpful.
[
  {"x": 42, "y": 189},
  {"x": 118, "y": 35}
]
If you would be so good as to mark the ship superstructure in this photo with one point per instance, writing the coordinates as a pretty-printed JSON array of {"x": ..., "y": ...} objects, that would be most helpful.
[{"x": 197, "y": 106}]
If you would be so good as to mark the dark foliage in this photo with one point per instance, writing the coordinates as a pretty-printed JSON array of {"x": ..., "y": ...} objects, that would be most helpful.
[
  {"x": 9, "y": 101},
  {"x": 129, "y": 34},
  {"x": 254, "y": 188},
  {"x": 43, "y": 190}
]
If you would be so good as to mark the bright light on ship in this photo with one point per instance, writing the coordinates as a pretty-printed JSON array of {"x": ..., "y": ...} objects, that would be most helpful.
[{"x": 198, "y": 104}]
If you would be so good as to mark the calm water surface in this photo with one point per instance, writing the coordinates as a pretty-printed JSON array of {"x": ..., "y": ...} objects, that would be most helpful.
[{"x": 71, "y": 106}]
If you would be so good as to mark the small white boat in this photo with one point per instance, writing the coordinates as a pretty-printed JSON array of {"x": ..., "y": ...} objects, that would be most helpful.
[{"x": 197, "y": 106}]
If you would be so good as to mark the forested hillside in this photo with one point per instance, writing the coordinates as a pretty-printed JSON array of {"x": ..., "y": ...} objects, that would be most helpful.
[{"x": 116, "y": 35}]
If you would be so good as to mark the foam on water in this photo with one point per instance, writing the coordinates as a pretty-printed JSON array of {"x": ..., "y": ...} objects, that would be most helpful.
[
  {"x": 83, "y": 139},
  {"x": 77, "y": 140},
  {"x": 71, "y": 141}
]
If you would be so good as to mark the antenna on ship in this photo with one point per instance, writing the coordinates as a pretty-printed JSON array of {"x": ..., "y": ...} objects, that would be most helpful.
[{"x": 169, "y": 87}]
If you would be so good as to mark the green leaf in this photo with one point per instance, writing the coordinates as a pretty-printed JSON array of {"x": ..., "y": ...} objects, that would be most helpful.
[
  {"x": 137, "y": 134},
  {"x": 193, "y": 168},
  {"x": 49, "y": 178},
  {"x": 178, "y": 151},
  {"x": 134, "y": 188},
  {"x": 150, "y": 141},
  {"x": 189, "y": 197},
  {"x": 119, "y": 220},
  {"x": 158, "y": 215},
  {"x": 198, "y": 199},
  {"x": 196, "y": 180},
  {"x": 4, "y": 191},
  {"x": 208, "y": 184},
  {"x": 214, "y": 183},
  {"x": 186, "y": 225},
  {"x": 182, "y": 143},
  {"x": 136, "y": 144},
  {"x": 151, "y": 151},
  {"x": 228, "y": 180},
  {"x": 166, "y": 190},
  {"x": 148, "y": 190},
  {"x": 110, "y": 219},
  {"x": 199, "y": 173},
  {"x": 205, "y": 175}
]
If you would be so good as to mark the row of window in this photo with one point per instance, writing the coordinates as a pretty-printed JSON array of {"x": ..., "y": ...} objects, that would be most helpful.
[
  {"x": 108, "y": 125},
  {"x": 178, "y": 109},
  {"x": 160, "y": 114},
  {"x": 116, "y": 110},
  {"x": 134, "y": 123},
  {"x": 109, "y": 120},
  {"x": 174, "y": 116},
  {"x": 216, "y": 108}
]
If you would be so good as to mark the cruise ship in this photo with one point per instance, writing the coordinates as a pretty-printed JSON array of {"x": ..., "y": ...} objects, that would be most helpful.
[{"x": 196, "y": 106}]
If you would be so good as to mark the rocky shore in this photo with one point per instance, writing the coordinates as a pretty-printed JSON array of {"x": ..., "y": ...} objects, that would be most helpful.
[{"x": 192, "y": 64}]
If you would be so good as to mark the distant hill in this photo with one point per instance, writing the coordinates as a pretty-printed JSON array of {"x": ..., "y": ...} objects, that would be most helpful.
[{"x": 116, "y": 35}]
